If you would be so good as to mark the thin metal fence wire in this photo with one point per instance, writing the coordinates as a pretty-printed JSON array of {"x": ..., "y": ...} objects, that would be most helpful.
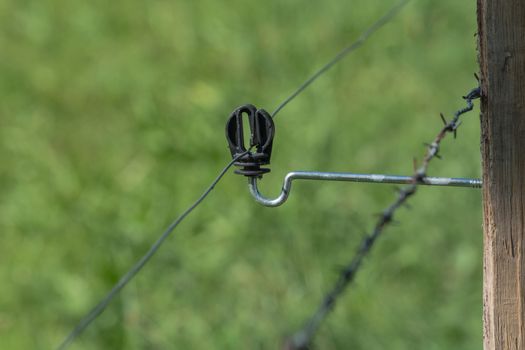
[
  {"x": 302, "y": 340},
  {"x": 136, "y": 268},
  {"x": 124, "y": 280},
  {"x": 387, "y": 17}
]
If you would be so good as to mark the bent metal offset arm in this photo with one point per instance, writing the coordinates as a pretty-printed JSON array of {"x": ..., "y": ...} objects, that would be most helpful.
[
  {"x": 262, "y": 131},
  {"x": 350, "y": 177}
]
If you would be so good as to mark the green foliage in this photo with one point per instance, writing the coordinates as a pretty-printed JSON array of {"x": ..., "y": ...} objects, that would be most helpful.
[{"x": 112, "y": 121}]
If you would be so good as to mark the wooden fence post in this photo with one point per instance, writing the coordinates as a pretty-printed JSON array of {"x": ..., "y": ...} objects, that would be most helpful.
[{"x": 501, "y": 31}]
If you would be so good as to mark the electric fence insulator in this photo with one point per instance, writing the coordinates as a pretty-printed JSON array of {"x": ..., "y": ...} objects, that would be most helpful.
[{"x": 262, "y": 131}]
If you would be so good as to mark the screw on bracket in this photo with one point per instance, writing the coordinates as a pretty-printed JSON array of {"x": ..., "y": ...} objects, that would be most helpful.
[{"x": 262, "y": 131}]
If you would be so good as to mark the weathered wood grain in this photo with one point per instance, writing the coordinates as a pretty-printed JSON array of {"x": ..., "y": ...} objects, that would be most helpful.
[{"x": 502, "y": 60}]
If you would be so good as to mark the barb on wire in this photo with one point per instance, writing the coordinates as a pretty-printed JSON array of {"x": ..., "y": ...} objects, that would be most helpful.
[
  {"x": 302, "y": 339},
  {"x": 387, "y": 17},
  {"x": 124, "y": 280}
]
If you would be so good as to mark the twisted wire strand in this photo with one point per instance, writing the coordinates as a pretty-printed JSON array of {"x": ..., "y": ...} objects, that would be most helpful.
[
  {"x": 302, "y": 339},
  {"x": 126, "y": 278}
]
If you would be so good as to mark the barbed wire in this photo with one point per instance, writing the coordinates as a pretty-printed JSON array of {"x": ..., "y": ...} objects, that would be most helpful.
[
  {"x": 302, "y": 339},
  {"x": 124, "y": 280}
]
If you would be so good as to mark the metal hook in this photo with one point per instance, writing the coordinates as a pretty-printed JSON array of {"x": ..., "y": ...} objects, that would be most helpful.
[
  {"x": 351, "y": 177},
  {"x": 262, "y": 133}
]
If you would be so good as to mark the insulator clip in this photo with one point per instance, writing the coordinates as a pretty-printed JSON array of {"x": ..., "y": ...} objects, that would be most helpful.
[{"x": 262, "y": 131}]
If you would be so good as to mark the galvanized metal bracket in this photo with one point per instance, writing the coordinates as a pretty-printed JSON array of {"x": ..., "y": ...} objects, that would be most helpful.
[{"x": 262, "y": 133}]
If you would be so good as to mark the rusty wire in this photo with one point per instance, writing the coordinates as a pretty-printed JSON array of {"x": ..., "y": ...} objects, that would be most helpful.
[
  {"x": 302, "y": 340},
  {"x": 137, "y": 267}
]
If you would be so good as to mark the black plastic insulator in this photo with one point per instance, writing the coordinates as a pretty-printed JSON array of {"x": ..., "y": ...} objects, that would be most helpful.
[{"x": 262, "y": 131}]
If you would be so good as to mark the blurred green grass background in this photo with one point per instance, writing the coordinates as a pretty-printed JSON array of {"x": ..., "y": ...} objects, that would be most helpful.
[{"x": 112, "y": 121}]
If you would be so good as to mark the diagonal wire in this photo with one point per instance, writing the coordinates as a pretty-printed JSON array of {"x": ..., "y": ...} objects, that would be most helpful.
[
  {"x": 387, "y": 17},
  {"x": 124, "y": 280},
  {"x": 302, "y": 340}
]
